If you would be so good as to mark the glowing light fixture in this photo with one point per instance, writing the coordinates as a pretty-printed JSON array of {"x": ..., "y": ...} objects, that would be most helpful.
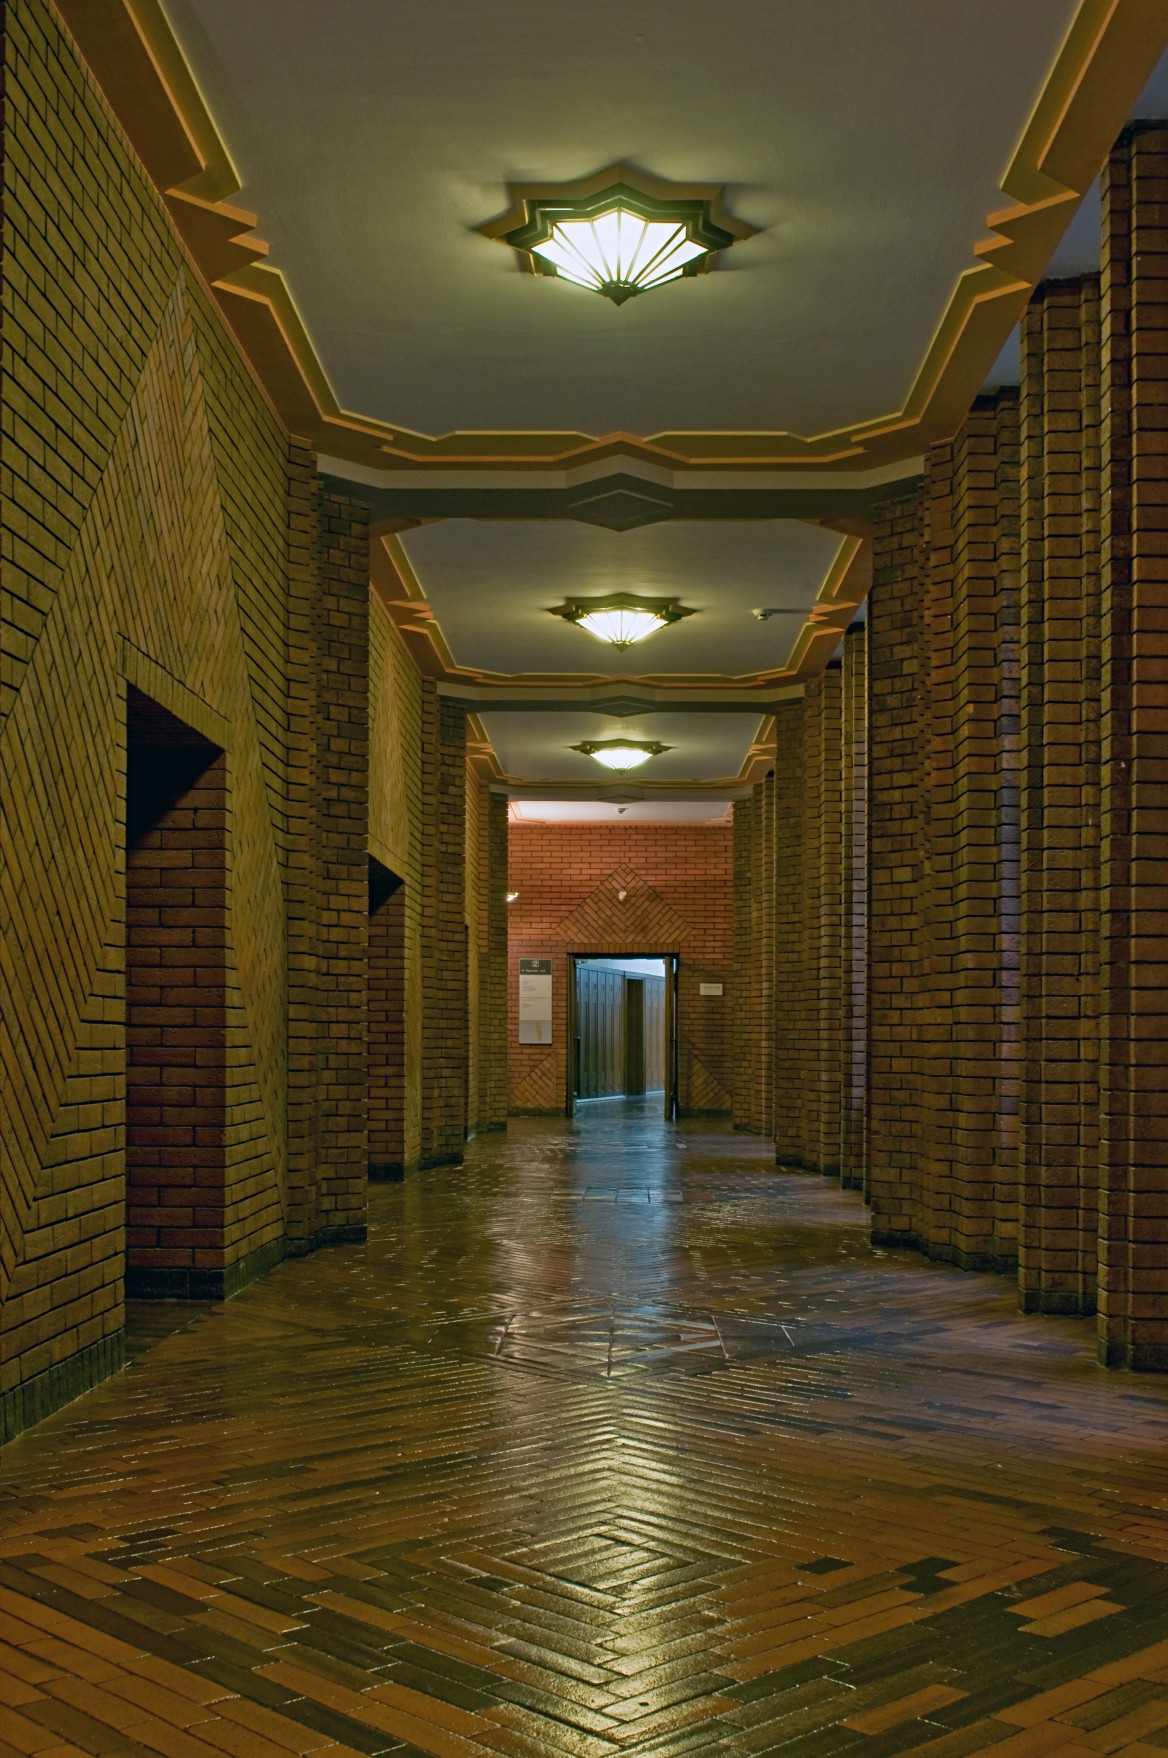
[
  {"x": 621, "y": 619},
  {"x": 619, "y": 232},
  {"x": 621, "y": 754},
  {"x": 511, "y": 896}
]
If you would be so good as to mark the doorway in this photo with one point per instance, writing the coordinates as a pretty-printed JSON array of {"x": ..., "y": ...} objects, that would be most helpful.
[
  {"x": 623, "y": 1029},
  {"x": 176, "y": 1022}
]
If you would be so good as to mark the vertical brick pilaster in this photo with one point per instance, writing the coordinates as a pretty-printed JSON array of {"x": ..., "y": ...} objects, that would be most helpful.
[
  {"x": 854, "y": 941},
  {"x": 763, "y": 888},
  {"x": 1133, "y": 1254},
  {"x": 342, "y": 830},
  {"x": 969, "y": 491},
  {"x": 493, "y": 976},
  {"x": 328, "y": 861},
  {"x": 1058, "y": 1145},
  {"x": 746, "y": 814},
  {"x": 897, "y": 782},
  {"x": 790, "y": 946},
  {"x": 444, "y": 941},
  {"x": 824, "y": 700},
  {"x": 1009, "y": 836}
]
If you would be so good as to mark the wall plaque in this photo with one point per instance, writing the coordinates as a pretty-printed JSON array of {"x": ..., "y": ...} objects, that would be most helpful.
[{"x": 535, "y": 1000}]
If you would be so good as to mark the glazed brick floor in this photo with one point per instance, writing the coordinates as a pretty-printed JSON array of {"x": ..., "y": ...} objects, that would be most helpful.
[{"x": 615, "y": 1441}]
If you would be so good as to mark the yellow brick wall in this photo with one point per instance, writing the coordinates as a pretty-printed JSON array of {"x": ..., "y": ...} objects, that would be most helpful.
[{"x": 147, "y": 503}]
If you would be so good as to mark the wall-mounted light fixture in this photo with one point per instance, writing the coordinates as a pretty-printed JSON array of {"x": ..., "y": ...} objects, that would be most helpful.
[
  {"x": 621, "y": 754},
  {"x": 511, "y": 896},
  {"x": 619, "y": 232},
  {"x": 621, "y": 618}
]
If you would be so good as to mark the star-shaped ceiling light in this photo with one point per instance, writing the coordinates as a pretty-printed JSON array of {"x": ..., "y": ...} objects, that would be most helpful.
[
  {"x": 621, "y": 754},
  {"x": 618, "y": 232},
  {"x": 621, "y": 618}
]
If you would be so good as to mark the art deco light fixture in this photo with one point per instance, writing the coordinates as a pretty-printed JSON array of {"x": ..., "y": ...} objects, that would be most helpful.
[
  {"x": 619, "y": 232},
  {"x": 621, "y": 754},
  {"x": 621, "y": 618}
]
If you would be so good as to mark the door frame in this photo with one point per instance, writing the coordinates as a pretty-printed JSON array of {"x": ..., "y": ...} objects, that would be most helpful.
[{"x": 672, "y": 962}]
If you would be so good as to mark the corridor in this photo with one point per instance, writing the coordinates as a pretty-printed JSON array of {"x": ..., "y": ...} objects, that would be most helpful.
[{"x": 613, "y": 1441}]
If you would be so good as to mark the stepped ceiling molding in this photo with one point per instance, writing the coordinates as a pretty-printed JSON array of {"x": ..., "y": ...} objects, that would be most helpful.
[
  {"x": 909, "y": 168},
  {"x": 900, "y": 175}
]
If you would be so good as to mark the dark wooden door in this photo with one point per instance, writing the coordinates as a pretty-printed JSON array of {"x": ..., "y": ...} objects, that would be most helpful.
[
  {"x": 600, "y": 1027},
  {"x": 654, "y": 1012}
]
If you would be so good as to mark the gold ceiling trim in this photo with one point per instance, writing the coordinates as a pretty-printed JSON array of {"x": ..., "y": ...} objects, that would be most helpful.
[
  {"x": 840, "y": 597},
  {"x": 1108, "y": 54},
  {"x": 755, "y": 765}
]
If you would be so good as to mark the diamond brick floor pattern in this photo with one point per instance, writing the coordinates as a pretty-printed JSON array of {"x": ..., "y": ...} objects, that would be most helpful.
[{"x": 614, "y": 1441}]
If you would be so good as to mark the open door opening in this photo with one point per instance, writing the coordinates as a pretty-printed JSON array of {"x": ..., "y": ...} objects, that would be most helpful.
[
  {"x": 176, "y": 1021},
  {"x": 623, "y": 1029}
]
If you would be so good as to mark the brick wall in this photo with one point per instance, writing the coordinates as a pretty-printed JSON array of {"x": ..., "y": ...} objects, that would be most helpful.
[
  {"x": 486, "y": 917},
  {"x": 445, "y": 1049},
  {"x": 1060, "y": 775},
  {"x": 161, "y": 533},
  {"x": 1133, "y": 1026},
  {"x": 678, "y": 885},
  {"x": 437, "y": 843},
  {"x": 811, "y": 921},
  {"x": 1002, "y": 807},
  {"x": 395, "y": 846},
  {"x": 854, "y": 912}
]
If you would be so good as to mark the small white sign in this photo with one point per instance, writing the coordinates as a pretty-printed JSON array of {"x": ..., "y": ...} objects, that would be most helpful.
[
  {"x": 709, "y": 988},
  {"x": 535, "y": 1000}
]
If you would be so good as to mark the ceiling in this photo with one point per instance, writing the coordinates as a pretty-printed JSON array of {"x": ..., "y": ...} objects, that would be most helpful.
[
  {"x": 491, "y": 587},
  {"x": 911, "y": 166},
  {"x": 708, "y": 753},
  {"x": 866, "y": 143}
]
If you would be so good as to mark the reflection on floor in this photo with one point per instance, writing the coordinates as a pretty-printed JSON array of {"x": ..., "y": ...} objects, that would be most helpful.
[{"x": 615, "y": 1441}]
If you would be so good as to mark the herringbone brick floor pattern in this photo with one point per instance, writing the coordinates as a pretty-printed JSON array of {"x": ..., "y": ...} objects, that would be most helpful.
[{"x": 615, "y": 1441}]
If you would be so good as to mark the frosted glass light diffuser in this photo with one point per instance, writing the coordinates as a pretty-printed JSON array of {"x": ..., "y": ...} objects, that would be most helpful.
[
  {"x": 618, "y": 232},
  {"x": 621, "y": 627},
  {"x": 621, "y": 618},
  {"x": 618, "y": 253},
  {"x": 621, "y": 754}
]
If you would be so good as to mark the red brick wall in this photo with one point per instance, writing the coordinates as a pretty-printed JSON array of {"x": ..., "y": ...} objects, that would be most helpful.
[
  {"x": 679, "y": 884},
  {"x": 176, "y": 1017}
]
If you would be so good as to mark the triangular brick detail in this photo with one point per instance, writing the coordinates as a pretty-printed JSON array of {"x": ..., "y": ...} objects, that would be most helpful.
[
  {"x": 539, "y": 1089},
  {"x": 640, "y": 922},
  {"x": 705, "y": 1093}
]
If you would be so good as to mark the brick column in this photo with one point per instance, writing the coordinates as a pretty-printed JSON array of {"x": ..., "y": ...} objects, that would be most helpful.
[
  {"x": 854, "y": 942},
  {"x": 898, "y": 776},
  {"x": 790, "y": 946},
  {"x": 327, "y": 860},
  {"x": 961, "y": 974},
  {"x": 763, "y": 949},
  {"x": 745, "y": 1022},
  {"x": 493, "y": 972},
  {"x": 1133, "y": 1257},
  {"x": 1058, "y": 1140},
  {"x": 443, "y": 924},
  {"x": 824, "y": 921}
]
